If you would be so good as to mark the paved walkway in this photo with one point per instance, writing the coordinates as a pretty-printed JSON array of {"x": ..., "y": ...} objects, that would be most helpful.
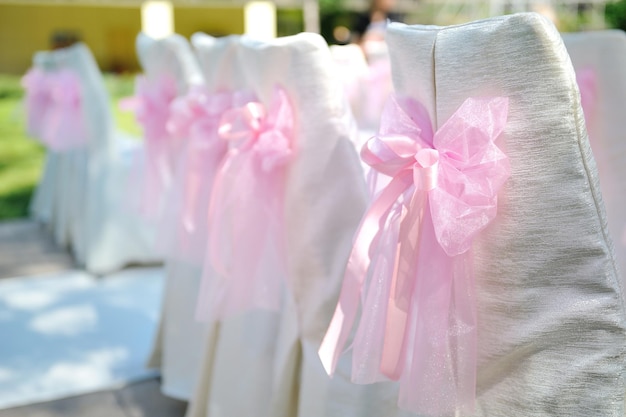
[{"x": 27, "y": 249}]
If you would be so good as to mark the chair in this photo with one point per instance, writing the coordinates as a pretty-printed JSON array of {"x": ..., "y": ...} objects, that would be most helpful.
[
  {"x": 550, "y": 315},
  {"x": 253, "y": 363},
  {"x": 88, "y": 204}
]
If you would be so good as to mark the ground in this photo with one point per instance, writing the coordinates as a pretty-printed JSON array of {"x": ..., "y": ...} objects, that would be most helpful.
[{"x": 27, "y": 249}]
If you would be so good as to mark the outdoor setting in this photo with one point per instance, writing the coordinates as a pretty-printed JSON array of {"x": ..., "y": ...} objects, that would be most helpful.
[{"x": 312, "y": 208}]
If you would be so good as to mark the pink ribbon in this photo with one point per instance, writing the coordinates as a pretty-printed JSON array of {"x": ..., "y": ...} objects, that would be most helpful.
[
  {"x": 246, "y": 215},
  {"x": 418, "y": 321},
  {"x": 64, "y": 125},
  {"x": 37, "y": 85},
  {"x": 196, "y": 117},
  {"x": 151, "y": 105},
  {"x": 587, "y": 84}
]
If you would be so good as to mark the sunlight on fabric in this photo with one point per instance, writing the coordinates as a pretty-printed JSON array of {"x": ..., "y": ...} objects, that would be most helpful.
[
  {"x": 157, "y": 18},
  {"x": 89, "y": 371},
  {"x": 260, "y": 20}
]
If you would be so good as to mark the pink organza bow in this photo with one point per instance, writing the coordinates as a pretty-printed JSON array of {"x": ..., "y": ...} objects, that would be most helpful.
[
  {"x": 246, "y": 215},
  {"x": 151, "y": 105},
  {"x": 64, "y": 124},
  {"x": 194, "y": 117},
  {"x": 586, "y": 79},
  {"x": 418, "y": 321},
  {"x": 37, "y": 85}
]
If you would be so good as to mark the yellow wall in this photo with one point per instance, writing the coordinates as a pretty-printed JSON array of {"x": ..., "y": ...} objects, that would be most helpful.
[
  {"x": 109, "y": 31},
  {"x": 214, "y": 21}
]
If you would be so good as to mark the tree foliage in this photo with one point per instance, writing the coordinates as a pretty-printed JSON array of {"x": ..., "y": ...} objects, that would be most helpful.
[{"x": 615, "y": 14}]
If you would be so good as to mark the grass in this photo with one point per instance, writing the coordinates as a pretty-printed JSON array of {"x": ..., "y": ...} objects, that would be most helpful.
[{"x": 21, "y": 157}]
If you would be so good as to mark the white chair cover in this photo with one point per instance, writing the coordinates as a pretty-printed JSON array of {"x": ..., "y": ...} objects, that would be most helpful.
[
  {"x": 179, "y": 345},
  {"x": 254, "y": 365},
  {"x": 604, "y": 53},
  {"x": 550, "y": 316}
]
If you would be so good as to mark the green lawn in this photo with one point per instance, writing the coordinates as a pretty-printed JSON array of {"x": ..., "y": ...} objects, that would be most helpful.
[{"x": 21, "y": 158}]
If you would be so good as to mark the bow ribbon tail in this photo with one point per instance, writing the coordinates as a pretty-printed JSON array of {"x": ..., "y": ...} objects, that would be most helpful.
[
  {"x": 358, "y": 263},
  {"x": 259, "y": 238},
  {"x": 402, "y": 283},
  {"x": 442, "y": 373},
  {"x": 212, "y": 290},
  {"x": 201, "y": 163},
  {"x": 246, "y": 218}
]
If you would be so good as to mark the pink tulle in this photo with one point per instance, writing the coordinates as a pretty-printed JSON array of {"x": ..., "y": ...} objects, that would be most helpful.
[
  {"x": 151, "y": 105},
  {"x": 246, "y": 265},
  {"x": 194, "y": 118},
  {"x": 38, "y": 100},
  {"x": 54, "y": 108},
  {"x": 418, "y": 324}
]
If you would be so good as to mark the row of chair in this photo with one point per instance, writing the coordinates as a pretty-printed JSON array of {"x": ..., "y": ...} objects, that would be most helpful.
[{"x": 482, "y": 280}]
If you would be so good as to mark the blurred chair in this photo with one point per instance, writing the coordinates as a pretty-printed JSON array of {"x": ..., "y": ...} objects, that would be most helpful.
[
  {"x": 89, "y": 211},
  {"x": 601, "y": 56},
  {"x": 367, "y": 83},
  {"x": 549, "y": 314},
  {"x": 192, "y": 121},
  {"x": 254, "y": 358},
  {"x": 170, "y": 68}
]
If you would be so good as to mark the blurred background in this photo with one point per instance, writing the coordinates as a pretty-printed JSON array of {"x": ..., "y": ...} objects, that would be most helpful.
[{"x": 109, "y": 28}]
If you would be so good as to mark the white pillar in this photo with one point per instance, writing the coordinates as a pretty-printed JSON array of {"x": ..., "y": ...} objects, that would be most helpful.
[
  {"x": 311, "y": 12},
  {"x": 157, "y": 18},
  {"x": 260, "y": 19}
]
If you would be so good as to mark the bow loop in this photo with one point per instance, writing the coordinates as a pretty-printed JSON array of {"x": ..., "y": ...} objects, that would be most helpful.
[
  {"x": 37, "y": 84},
  {"x": 267, "y": 132},
  {"x": 242, "y": 124},
  {"x": 196, "y": 115},
  {"x": 472, "y": 171},
  {"x": 151, "y": 104},
  {"x": 65, "y": 89}
]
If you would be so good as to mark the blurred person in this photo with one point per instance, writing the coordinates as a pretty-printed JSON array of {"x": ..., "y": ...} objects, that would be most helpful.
[{"x": 371, "y": 25}]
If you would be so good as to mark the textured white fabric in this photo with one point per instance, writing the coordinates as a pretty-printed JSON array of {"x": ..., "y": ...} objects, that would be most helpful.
[
  {"x": 87, "y": 208},
  {"x": 179, "y": 345},
  {"x": 551, "y": 320},
  {"x": 254, "y": 364},
  {"x": 604, "y": 52},
  {"x": 171, "y": 56}
]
